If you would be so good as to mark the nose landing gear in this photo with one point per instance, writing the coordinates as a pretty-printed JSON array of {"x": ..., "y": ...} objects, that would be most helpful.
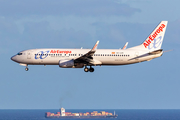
[
  {"x": 27, "y": 68},
  {"x": 88, "y": 69}
]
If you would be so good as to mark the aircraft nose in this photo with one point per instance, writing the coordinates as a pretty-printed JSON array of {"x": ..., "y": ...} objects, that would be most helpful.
[{"x": 13, "y": 58}]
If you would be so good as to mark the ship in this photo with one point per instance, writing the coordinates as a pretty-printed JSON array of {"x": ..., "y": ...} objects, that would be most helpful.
[{"x": 95, "y": 114}]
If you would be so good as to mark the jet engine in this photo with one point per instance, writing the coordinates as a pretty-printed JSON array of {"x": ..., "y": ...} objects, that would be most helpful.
[{"x": 70, "y": 64}]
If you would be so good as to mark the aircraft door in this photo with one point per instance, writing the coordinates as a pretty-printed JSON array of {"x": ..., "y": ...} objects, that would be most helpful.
[
  {"x": 29, "y": 55},
  {"x": 63, "y": 54},
  {"x": 67, "y": 55},
  {"x": 136, "y": 55}
]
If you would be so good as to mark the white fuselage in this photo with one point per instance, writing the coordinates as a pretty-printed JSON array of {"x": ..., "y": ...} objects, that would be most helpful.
[
  {"x": 78, "y": 58},
  {"x": 103, "y": 56}
]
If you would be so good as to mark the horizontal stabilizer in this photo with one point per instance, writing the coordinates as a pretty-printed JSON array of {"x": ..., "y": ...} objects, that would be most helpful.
[
  {"x": 156, "y": 52},
  {"x": 147, "y": 54}
]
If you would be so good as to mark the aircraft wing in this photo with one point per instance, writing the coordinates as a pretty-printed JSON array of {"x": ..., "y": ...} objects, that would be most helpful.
[{"x": 87, "y": 58}]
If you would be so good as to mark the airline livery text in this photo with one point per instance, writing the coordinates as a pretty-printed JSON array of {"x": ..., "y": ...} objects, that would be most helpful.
[{"x": 152, "y": 37}]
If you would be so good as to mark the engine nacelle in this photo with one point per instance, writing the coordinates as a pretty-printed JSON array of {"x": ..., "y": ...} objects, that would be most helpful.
[
  {"x": 66, "y": 63},
  {"x": 70, "y": 64}
]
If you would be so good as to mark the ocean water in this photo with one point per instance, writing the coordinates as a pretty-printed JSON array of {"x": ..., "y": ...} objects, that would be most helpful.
[{"x": 122, "y": 114}]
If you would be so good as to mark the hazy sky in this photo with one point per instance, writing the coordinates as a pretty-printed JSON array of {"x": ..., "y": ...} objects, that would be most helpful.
[{"x": 32, "y": 24}]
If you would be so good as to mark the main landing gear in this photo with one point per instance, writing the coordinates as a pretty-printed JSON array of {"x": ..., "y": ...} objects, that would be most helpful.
[{"x": 88, "y": 69}]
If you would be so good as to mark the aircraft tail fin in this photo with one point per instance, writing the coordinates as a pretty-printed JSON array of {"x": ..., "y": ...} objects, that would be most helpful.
[{"x": 155, "y": 39}]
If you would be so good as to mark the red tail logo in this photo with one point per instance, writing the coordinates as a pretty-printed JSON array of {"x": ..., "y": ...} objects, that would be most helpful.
[{"x": 152, "y": 37}]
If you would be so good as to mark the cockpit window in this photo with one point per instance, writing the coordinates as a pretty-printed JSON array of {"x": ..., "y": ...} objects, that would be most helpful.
[{"x": 19, "y": 54}]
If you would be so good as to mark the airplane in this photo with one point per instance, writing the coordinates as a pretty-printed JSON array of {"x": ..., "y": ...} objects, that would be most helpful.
[{"x": 82, "y": 58}]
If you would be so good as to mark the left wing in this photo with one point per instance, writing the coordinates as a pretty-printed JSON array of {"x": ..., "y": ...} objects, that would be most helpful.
[{"x": 87, "y": 58}]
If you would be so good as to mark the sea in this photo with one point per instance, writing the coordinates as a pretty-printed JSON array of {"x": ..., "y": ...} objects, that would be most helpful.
[{"x": 122, "y": 114}]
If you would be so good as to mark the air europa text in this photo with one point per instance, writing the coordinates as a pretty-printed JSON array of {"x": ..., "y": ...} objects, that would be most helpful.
[
  {"x": 59, "y": 51},
  {"x": 153, "y": 36}
]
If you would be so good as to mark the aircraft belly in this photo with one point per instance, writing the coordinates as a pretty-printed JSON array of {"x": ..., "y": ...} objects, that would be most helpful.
[
  {"x": 125, "y": 61},
  {"x": 150, "y": 57},
  {"x": 147, "y": 58},
  {"x": 47, "y": 61},
  {"x": 113, "y": 61}
]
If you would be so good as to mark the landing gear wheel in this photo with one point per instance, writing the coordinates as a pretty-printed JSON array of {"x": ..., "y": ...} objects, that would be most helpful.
[
  {"x": 86, "y": 69},
  {"x": 26, "y": 69},
  {"x": 91, "y": 69}
]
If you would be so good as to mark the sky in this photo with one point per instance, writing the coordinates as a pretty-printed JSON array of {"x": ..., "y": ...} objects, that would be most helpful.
[{"x": 33, "y": 24}]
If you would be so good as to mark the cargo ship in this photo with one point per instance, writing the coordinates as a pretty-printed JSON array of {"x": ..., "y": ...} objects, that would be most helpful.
[{"x": 93, "y": 114}]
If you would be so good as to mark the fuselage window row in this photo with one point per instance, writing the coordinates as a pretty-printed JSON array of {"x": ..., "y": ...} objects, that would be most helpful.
[{"x": 82, "y": 55}]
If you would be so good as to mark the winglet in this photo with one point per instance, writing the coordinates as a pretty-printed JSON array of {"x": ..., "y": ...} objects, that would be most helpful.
[
  {"x": 95, "y": 46},
  {"x": 125, "y": 46}
]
